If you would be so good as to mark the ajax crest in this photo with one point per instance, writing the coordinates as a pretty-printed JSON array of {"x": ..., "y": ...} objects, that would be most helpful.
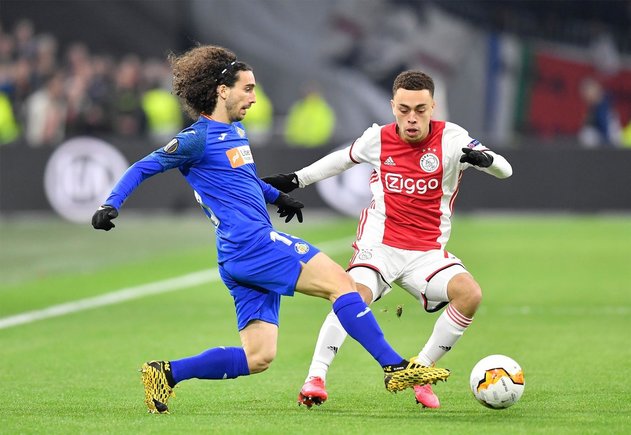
[{"x": 429, "y": 162}]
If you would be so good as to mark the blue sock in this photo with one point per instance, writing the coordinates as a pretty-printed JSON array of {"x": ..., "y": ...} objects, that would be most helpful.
[
  {"x": 215, "y": 363},
  {"x": 358, "y": 320}
]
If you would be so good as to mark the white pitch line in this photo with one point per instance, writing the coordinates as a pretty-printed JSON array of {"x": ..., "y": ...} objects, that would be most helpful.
[
  {"x": 115, "y": 297},
  {"x": 137, "y": 292}
]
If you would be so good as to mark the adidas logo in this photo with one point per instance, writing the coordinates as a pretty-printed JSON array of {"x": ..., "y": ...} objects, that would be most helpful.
[
  {"x": 445, "y": 348},
  {"x": 389, "y": 161},
  {"x": 333, "y": 349}
]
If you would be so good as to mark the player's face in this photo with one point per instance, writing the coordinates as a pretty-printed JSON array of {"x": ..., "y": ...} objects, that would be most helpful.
[
  {"x": 241, "y": 96},
  {"x": 412, "y": 111}
]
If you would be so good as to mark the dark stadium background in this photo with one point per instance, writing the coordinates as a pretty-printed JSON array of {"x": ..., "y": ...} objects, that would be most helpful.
[{"x": 552, "y": 171}]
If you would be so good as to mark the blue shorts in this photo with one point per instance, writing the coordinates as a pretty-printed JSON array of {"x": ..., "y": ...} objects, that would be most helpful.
[{"x": 258, "y": 277}]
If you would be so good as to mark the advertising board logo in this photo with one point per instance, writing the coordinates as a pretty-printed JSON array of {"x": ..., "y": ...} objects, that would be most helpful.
[{"x": 79, "y": 176}]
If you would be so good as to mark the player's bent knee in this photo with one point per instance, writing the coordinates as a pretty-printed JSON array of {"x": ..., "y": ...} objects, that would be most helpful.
[
  {"x": 465, "y": 291},
  {"x": 260, "y": 362},
  {"x": 476, "y": 295},
  {"x": 473, "y": 293}
]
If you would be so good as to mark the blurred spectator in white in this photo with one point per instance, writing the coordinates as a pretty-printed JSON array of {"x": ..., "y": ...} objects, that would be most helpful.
[
  {"x": 161, "y": 108},
  {"x": 602, "y": 123},
  {"x": 127, "y": 115},
  {"x": 45, "y": 113},
  {"x": 310, "y": 121}
]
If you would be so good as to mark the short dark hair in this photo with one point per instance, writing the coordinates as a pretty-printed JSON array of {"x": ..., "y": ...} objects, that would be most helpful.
[
  {"x": 198, "y": 72},
  {"x": 413, "y": 81}
]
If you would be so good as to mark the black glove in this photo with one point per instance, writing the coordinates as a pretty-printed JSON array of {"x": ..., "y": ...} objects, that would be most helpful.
[
  {"x": 102, "y": 219},
  {"x": 476, "y": 158},
  {"x": 288, "y": 206},
  {"x": 283, "y": 182}
]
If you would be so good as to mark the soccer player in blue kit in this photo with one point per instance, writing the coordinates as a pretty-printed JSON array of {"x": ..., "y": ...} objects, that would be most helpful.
[{"x": 257, "y": 263}]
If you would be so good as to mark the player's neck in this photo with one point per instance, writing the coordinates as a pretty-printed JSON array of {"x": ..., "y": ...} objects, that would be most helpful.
[{"x": 218, "y": 115}]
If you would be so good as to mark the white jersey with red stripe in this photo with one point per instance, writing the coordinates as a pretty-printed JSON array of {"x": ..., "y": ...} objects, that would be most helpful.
[{"x": 413, "y": 185}]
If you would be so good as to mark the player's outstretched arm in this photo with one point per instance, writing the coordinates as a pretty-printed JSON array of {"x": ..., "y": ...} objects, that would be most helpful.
[
  {"x": 328, "y": 166},
  {"x": 488, "y": 161},
  {"x": 136, "y": 174}
]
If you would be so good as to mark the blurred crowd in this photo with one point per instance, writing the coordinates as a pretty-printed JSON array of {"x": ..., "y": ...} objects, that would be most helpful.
[
  {"x": 51, "y": 91},
  {"x": 47, "y": 94}
]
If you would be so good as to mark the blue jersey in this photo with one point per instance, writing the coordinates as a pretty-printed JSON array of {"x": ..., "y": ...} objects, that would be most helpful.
[{"x": 216, "y": 160}]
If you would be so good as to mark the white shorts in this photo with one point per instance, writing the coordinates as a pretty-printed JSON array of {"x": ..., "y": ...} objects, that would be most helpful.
[{"x": 423, "y": 274}]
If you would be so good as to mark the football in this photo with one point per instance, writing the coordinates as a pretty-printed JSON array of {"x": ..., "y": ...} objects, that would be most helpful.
[{"x": 497, "y": 381}]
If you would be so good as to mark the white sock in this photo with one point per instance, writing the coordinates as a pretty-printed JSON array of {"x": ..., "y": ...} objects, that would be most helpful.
[
  {"x": 448, "y": 328},
  {"x": 331, "y": 337}
]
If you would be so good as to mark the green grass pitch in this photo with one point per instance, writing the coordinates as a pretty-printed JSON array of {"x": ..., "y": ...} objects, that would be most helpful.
[{"x": 557, "y": 298}]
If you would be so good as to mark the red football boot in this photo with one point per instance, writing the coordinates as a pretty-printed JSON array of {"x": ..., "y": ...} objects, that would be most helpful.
[
  {"x": 425, "y": 396},
  {"x": 313, "y": 392}
]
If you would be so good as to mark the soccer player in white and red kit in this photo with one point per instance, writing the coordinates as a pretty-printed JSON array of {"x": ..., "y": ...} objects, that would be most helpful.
[{"x": 402, "y": 235}]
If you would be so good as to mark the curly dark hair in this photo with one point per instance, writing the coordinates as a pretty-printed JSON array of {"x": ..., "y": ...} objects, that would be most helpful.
[
  {"x": 413, "y": 81},
  {"x": 198, "y": 72}
]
